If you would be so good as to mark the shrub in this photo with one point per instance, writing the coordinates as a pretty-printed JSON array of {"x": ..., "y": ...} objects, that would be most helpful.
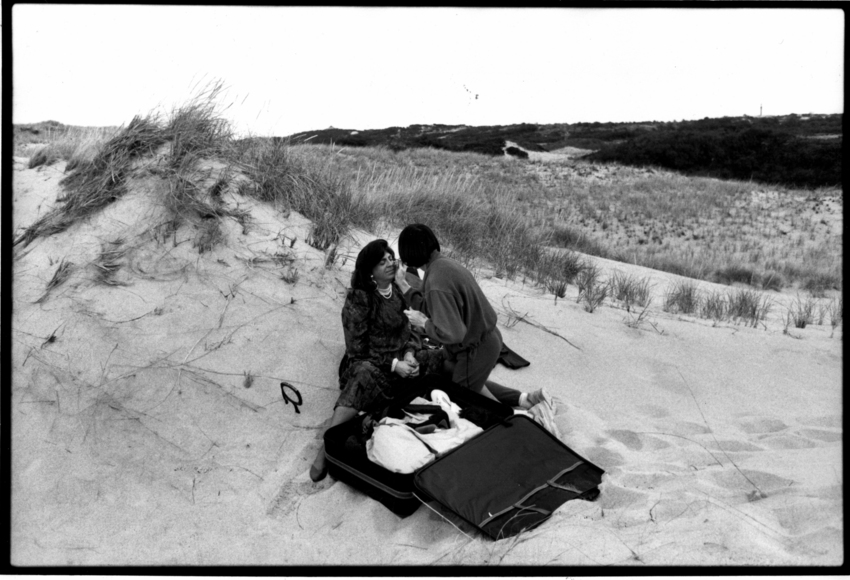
[
  {"x": 735, "y": 273},
  {"x": 682, "y": 297},
  {"x": 818, "y": 284},
  {"x": 772, "y": 280}
]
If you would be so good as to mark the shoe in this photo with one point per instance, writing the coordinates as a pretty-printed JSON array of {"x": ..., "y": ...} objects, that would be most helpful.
[
  {"x": 537, "y": 397},
  {"x": 317, "y": 474}
]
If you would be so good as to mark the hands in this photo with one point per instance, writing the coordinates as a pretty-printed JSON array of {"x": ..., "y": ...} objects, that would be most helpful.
[
  {"x": 406, "y": 370},
  {"x": 409, "y": 367},
  {"x": 416, "y": 318}
]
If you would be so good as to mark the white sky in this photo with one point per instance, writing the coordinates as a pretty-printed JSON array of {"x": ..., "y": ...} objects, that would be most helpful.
[{"x": 293, "y": 69}]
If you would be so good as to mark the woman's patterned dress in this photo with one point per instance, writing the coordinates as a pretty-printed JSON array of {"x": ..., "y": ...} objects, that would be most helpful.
[{"x": 377, "y": 331}]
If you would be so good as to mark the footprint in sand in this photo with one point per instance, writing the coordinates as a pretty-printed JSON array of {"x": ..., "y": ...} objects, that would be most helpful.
[
  {"x": 604, "y": 458},
  {"x": 825, "y": 421},
  {"x": 628, "y": 438},
  {"x": 736, "y": 480},
  {"x": 759, "y": 426},
  {"x": 787, "y": 442},
  {"x": 688, "y": 428},
  {"x": 821, "y": 435},
  {"x": 731, "y": 445}
]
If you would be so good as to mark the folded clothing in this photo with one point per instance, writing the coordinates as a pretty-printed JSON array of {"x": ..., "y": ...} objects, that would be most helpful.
[{"x": 398, "y": 447}]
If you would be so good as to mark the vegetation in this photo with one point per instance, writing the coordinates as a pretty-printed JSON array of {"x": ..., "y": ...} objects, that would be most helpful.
[
  {"x": 525, "y": 220},
  {"x": 793, "y": 150},
  {"x": 764, "y": 155}
]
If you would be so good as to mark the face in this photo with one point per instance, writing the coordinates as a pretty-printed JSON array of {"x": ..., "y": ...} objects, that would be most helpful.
[{"x": 385, "y": 270}]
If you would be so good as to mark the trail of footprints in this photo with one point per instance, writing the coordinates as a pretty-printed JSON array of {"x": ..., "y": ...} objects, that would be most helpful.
[{"x": 643, "y": 467}]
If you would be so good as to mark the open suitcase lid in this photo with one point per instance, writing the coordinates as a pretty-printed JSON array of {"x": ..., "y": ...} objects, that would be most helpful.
[{"x": 508, "y": 479}]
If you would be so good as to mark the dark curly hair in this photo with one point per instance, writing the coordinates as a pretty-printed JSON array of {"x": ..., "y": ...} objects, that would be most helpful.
[
  {"x": 416, "y": 243},
  {"x": 369, "y": 257}
]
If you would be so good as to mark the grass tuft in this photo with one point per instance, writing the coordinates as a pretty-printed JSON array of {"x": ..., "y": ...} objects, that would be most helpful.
[
  {"x": 714, "y": 306},
  {"x": 802, "y": 312},
  {"x": 748, "y": 306},
  {"x": 682, "y": 297},
  {"x": 630, "y": 290}
]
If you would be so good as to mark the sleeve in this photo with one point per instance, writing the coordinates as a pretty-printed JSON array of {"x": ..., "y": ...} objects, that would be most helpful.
[
  {"x": 355, "y": 325},
  {"x": 414, "y": 299},
  {"x": 445, "y": 324}
]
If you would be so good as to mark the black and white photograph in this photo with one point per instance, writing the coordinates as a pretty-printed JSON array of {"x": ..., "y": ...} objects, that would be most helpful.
[{"x": 433, "y": 290}]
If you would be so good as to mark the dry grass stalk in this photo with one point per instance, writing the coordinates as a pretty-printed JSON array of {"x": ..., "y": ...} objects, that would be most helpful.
[
  {"x": 108, "y": 262},
  {"x": 63, "y": 271}
]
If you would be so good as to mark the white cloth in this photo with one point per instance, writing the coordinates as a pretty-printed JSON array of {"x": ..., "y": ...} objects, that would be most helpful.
[
  {"x": 395, "y": 447},
  {"x": 398, "y": 448}
]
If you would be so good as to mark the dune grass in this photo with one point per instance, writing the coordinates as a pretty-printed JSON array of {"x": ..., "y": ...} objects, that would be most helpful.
[
  {"x": 631, "y": 290},
  {"x": 702, "y": 228},
  {"x": 57, "y": 142},
  {"x": 521, "y": 219},
  {"x": 93, "y": 185}
]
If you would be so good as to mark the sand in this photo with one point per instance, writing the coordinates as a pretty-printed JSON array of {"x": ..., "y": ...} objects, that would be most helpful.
[{"x": 150, "y": 429}]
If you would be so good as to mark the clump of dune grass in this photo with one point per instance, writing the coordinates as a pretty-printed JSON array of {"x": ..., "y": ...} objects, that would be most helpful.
[
  {"x": 630, "y": 290},
  {"x": 72, "y": 144},
  {"x": 94, "y": 185},
  {"x": 801, "y": 311},
  {"x": 594, "y": 295},
  {"x": 279, "y": 177},
  {"x": 592, "y": 290},
  {"x": 46, "y": 155},
  {"x": 835, "y": 309},
  {"x": 290, "y": 275},
  {"x": 62, "y": 272},
  {"x": 198, "y": 127},
  {"x": 748, "y": 306},
  {"x": 682, "y": 297},
  {"x": 713, "y": 306}
]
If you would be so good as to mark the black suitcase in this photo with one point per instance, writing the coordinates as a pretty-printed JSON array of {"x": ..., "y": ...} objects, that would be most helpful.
[
  {"x": 508, "y": 479},
  {"x": 348, "y": 463}
]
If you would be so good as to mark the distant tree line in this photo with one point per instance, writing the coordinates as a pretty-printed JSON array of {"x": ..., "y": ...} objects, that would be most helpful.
[{"x": 765, "y": 155}]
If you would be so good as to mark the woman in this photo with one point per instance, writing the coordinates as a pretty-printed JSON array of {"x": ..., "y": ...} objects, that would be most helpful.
[
  {"x": 380, "y": 349},
  {"x": 456, "y": 314}
]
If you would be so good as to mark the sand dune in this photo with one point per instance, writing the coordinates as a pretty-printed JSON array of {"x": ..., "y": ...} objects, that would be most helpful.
[{"x": 150, "y": 429}]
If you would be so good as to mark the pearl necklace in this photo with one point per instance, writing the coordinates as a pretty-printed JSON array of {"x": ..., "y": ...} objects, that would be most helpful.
[{"x": 388, "y": 293}]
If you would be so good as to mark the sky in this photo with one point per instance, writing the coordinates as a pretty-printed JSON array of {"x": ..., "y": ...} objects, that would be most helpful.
[{"x": 292, "y": 69}]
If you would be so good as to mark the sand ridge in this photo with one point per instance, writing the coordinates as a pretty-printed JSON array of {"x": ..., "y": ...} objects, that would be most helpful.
[{"x": 150, "y": 430}]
